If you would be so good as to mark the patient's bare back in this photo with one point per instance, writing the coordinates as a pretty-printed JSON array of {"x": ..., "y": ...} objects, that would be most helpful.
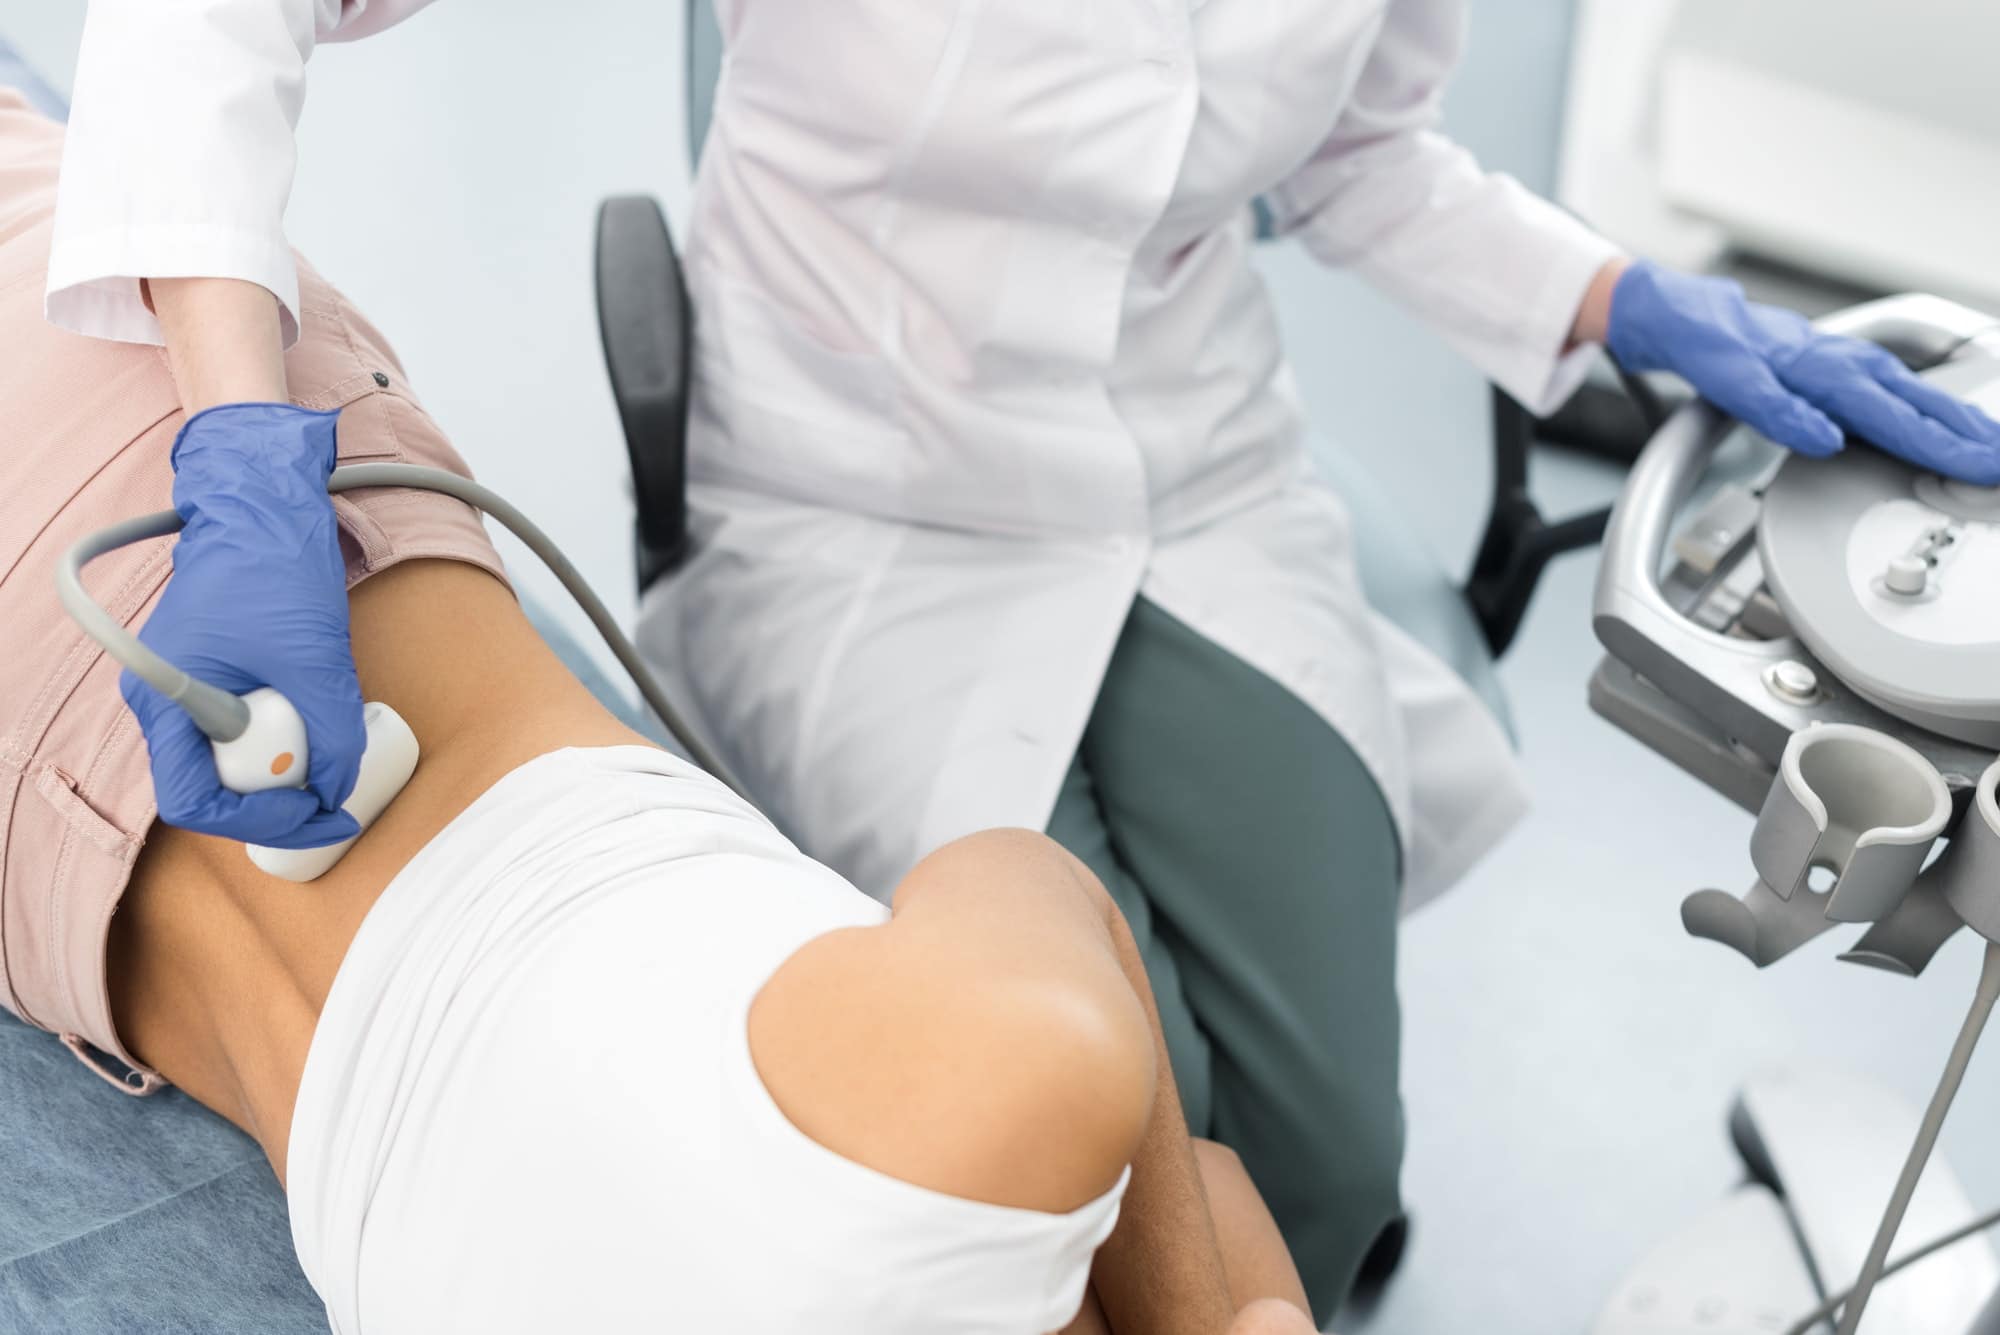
[{"x": 210, "y": 958}]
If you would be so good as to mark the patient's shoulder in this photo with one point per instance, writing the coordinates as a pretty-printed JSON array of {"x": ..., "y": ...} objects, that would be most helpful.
[{"x": 957, "y": 1070}]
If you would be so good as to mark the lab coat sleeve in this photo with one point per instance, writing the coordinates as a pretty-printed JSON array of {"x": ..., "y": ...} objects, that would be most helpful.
[
  {"x": 180, "y": 155},
  {"x": 1496, "y": 270}
]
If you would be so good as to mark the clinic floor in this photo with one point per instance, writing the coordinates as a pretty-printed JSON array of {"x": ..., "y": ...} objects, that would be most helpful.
[{"x": 1570, "y": 1054}]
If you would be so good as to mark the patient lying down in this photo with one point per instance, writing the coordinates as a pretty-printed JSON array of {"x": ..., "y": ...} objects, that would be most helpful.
[{"x": 572, "y": 1039}]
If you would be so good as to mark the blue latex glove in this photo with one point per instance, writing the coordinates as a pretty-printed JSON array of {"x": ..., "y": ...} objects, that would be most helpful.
[
  {"x": 1765, "y": 366},
  {"x": 258, "y": 597}
]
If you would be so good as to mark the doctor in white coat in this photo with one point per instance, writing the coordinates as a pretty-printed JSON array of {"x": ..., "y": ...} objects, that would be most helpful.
[{"x": 1003, "y": 508}]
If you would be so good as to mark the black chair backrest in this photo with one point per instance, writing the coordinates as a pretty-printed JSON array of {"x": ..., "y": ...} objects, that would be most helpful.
[{"x": 644, "y": 319}]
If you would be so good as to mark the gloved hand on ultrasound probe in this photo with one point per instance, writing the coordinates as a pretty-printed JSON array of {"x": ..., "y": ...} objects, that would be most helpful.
[
  {"x": 1767, "y": 367},
  {"x": 258, "y": 597}
]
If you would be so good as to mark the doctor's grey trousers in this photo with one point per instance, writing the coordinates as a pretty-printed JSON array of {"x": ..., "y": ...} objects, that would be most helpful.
[{"x": 1258, "y": 865}]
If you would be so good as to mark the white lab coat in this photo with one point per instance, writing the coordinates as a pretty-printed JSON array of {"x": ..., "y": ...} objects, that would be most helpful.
[{"x": 980, "y": 358}]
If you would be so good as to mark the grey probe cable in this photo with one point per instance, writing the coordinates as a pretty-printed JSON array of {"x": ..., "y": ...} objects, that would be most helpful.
[
  {"x": 1875, "y": 1269},
  {"x": 224, "y": 717},
  {"x": 220, "y": 715}
]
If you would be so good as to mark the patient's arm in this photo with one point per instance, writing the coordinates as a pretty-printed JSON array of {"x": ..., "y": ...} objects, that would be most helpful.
[
  {"x": 218, "y": 972},
  {"x": 1264, "y": 1285}
]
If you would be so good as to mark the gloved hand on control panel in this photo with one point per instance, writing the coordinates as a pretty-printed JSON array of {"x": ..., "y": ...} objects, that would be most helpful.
[
  {"x": 1805, "y": 390},
  {"x": 258, "y": 597}
]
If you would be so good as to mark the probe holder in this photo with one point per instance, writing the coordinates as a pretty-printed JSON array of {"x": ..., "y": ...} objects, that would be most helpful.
[
  {"x": 1847, "y": 800},
  {"x": 1970, "y": 876}
]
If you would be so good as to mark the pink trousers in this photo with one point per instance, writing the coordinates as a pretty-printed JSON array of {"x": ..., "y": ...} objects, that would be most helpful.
[{"x": 85, "y": 429}]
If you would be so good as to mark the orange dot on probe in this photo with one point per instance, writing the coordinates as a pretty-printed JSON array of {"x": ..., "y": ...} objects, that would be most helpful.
[{"x": 281, "y": 762}]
